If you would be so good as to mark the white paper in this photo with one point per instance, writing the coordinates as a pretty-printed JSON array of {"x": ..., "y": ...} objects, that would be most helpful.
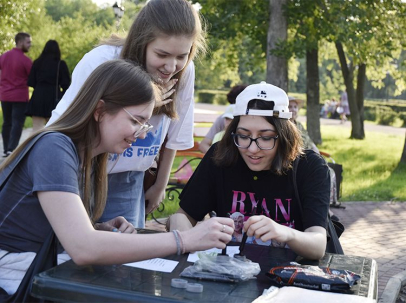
[
  {"x": 231, "y": 251},
  {"x": 156, "y": 264},
  {"x": 296, "y": 294}
]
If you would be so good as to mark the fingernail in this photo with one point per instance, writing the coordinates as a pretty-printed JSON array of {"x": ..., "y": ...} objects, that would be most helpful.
[{"x": 115, "y": 229}]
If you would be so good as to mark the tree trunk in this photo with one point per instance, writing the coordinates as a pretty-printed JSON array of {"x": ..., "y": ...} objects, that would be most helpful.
[
  {"x": 348, "y": 75},
  {"x": 403, "y": 158},
  {"x": 277, "y": 67},
  {"x": 359, "y": 97},
  {"x": 313, "y": 95}
]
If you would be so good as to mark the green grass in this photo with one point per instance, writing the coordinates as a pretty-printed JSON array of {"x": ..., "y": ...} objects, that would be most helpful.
[
  {"x": 371, "y": 166},
  {"x": 371, "y": 169}
]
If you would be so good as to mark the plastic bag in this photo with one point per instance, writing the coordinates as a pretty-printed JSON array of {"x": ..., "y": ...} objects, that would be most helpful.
[
  {"x": 313, "y": 277},
  {"x": 221, "y": 268}
]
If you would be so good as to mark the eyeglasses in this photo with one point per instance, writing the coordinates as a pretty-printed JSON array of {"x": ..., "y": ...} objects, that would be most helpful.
[
  {"x": 146, "y": 127},
  {"x": 243, "y": 141}
]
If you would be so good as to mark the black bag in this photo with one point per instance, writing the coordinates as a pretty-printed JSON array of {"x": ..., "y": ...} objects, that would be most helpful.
[
  {"x": 57, "y": 89},
  {"x": 46, "y": 258},
  {"x": 334, "y": 228},
  {"x": 334, "y": 231},
  {"x": 338, "y": 169},
  {"x": 47, "y": 255}
]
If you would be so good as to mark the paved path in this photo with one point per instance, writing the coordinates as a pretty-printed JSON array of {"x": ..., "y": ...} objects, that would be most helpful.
[
  {"x": 376, "y": 230},
  {"x": 205, "y": 110}
]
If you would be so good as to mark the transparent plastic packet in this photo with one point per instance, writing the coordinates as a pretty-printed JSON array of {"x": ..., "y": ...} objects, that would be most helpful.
[
  {"x": 221, "y": 268},
  {"x": 313, "y": 277}
]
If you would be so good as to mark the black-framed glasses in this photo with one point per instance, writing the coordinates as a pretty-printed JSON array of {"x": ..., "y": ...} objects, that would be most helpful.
[
  {"x": 144, "y": 128},
  {"x": 244, "y": 142}
]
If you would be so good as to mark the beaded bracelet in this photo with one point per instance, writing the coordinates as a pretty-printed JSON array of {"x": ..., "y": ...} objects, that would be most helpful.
[
  {"x": 182, "y": 244},
  {"x": 178, "y": 245}
]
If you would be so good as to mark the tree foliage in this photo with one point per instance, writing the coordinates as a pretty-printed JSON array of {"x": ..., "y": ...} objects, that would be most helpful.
[
  {"x": 77, "y": 25},
  {"x": 236, "y": 38},
  {"x": 18, "y": 15},
  {"x": 59, "y": 9}
]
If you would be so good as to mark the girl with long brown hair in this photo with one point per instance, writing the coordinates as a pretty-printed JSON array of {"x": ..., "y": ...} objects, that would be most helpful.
[{"x": 61, "y": 183}]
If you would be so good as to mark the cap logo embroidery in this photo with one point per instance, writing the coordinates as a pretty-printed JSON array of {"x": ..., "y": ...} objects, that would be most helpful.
[{"x": 262, "y": 94}]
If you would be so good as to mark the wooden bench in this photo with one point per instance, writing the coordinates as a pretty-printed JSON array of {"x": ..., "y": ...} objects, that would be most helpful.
[{"x": 194, "y": 154}]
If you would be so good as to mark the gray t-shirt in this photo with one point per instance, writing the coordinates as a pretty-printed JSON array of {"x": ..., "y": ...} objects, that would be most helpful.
[
  {"x": 51, "y": 165},
  {"x": 217, "y": 127}
]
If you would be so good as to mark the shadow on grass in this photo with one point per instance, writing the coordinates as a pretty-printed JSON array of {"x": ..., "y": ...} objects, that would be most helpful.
[{"x": 391, "y": 188}]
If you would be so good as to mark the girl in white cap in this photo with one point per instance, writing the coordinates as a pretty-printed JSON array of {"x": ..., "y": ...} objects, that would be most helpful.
[{"x": 251, "y": 167}]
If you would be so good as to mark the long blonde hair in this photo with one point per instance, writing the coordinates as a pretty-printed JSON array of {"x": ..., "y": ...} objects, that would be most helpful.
[
  {"x": 162, "y": 18},
  {"x": 118, "y": 83}
]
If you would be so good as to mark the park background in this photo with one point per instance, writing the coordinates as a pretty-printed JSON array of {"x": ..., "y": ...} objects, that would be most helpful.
[{"x": 329, "y": 46}]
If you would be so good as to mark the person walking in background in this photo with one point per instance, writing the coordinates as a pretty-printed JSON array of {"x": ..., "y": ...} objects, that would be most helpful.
[
  {"x": 219, "y": 124},
  {"x": 48, "y": 75},
  {"x": 15, "y": 67},
  {"x": 343, "y": 108}
]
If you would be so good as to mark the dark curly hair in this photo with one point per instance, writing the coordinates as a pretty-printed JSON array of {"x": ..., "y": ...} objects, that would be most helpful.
[{"x": 234, "y": 92}]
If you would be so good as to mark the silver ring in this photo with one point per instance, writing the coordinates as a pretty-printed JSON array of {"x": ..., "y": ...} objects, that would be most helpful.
[{"x": 223, "y": 229}]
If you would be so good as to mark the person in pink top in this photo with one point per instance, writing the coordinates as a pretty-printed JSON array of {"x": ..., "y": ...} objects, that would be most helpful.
[{"x": 15, "y": 67}]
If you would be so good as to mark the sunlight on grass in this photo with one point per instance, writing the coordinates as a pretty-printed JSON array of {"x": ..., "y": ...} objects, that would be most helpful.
[{"x": 369, "y": 165}]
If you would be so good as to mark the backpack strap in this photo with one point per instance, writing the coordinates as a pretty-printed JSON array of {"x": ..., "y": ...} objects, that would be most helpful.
[
  {"x": 294, "y": 173},
  {"x": 7, "y": 171},
  {"x": 46, "y": 257},
  {"x": 333, "y": 243}
]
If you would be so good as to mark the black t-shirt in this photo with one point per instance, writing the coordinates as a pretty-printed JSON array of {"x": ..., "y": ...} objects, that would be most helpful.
[{"x": 227, "y": 190}]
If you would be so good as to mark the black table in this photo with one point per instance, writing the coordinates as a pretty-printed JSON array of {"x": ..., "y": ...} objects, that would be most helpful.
[{"x": 119, "y": 283}]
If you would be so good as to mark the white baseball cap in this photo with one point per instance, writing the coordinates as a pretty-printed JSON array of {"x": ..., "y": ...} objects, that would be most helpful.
[
  {"x": 267, "y": 92},
  {"x": 228, "y": 113}
]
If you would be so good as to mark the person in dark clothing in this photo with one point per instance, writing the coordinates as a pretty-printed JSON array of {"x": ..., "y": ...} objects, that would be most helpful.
[
  {"x": 49, "y": 74},
  {"x": 250, "y": 172}
]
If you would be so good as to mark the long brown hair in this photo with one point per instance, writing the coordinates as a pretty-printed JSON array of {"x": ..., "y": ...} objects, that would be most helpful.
[
  {"x": 118, "y": 83},
  {"x": 289, "y": 141},
  {"x": 162, "y": 18}
]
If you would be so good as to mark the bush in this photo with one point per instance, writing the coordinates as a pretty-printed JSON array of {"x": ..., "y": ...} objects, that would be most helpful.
[
  {"x": 385, "y": 115},
  {"x": 221, "y": 99},
  {"x": 402, "y": 116},
  {"x": 370, "y": 113},
  {"x": 212, "y": 96},
  {"x": 205, "y": 97}
]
